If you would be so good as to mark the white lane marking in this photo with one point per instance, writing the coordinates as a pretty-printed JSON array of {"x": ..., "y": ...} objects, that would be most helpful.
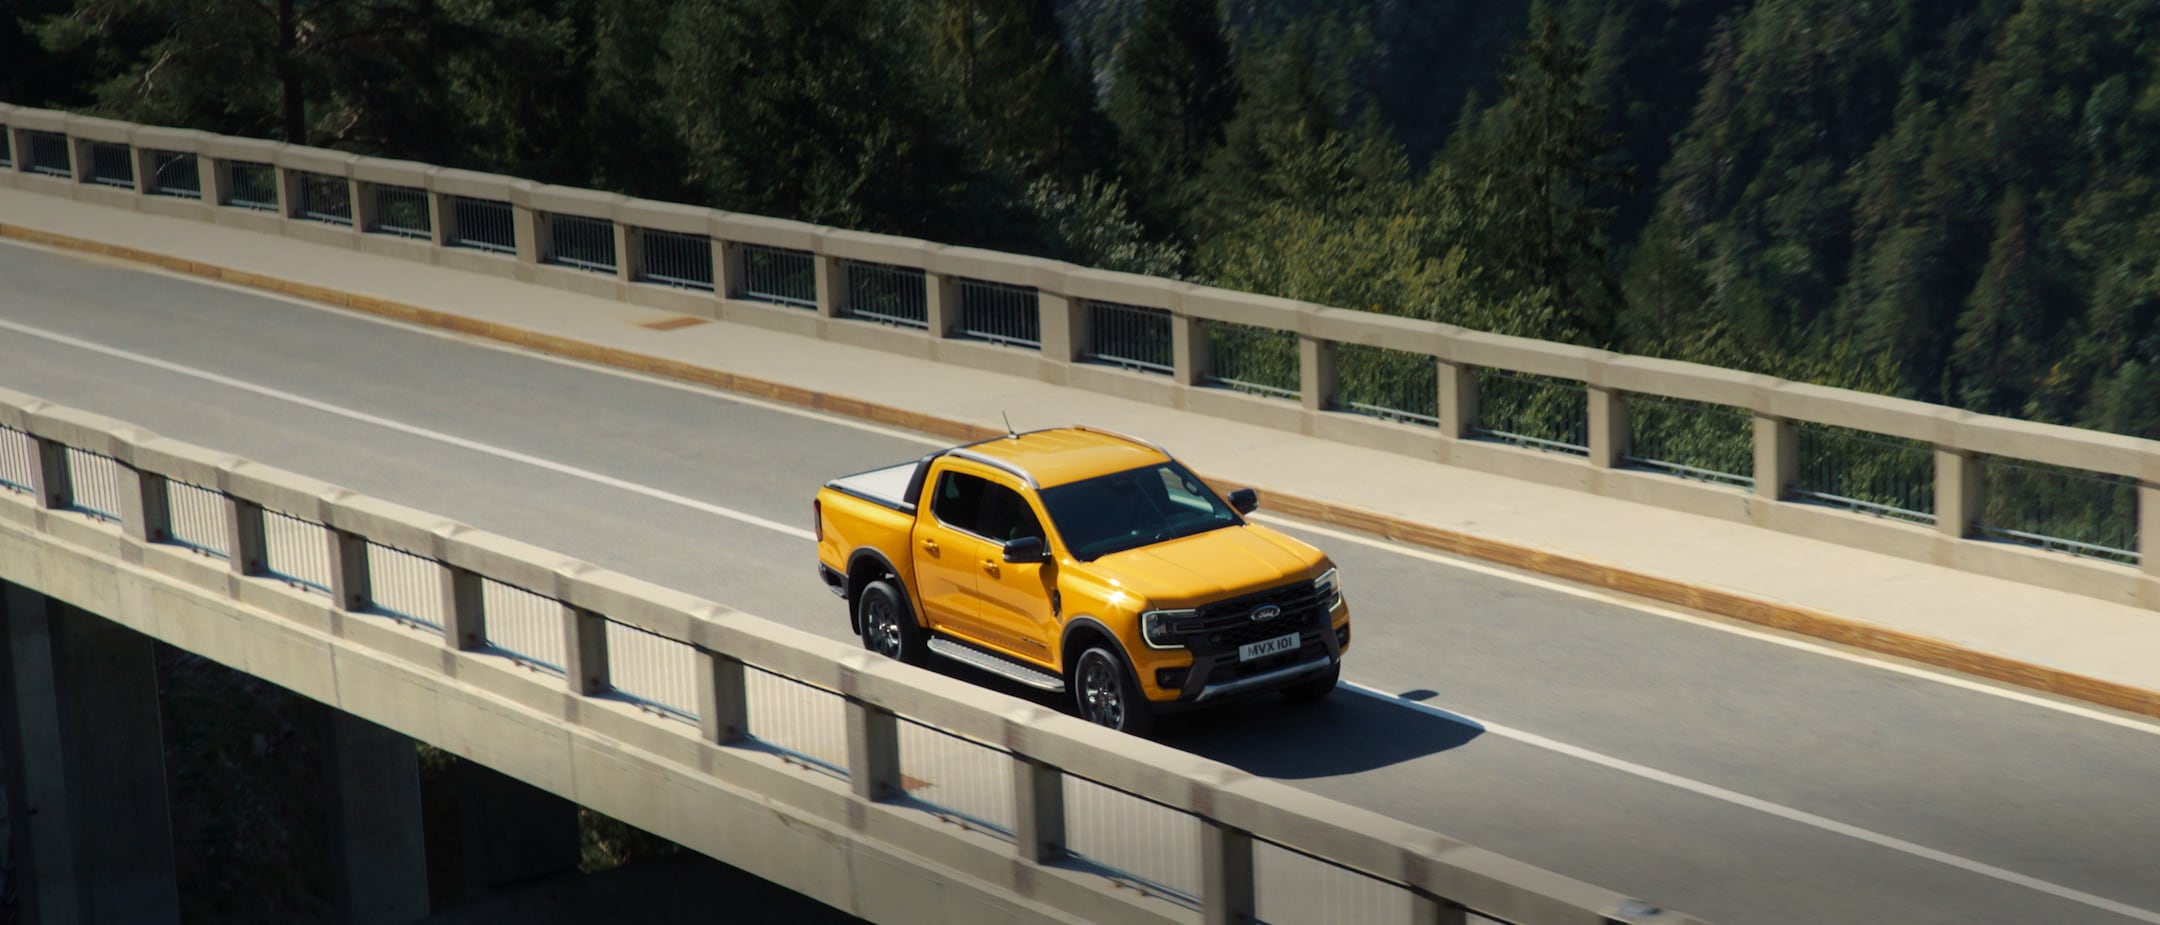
[
  {"x": 1604, "y": 597},
  {"x": 401, "y": 427},
  {"x": 1774, "y": 809},
  {"x": 1582, "y": 754}
]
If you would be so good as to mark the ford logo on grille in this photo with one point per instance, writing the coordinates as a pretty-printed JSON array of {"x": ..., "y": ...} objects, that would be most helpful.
[{"x": 1266, "y": 612}]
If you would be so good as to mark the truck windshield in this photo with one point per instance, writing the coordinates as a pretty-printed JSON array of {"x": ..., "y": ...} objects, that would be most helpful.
[{"x": 1123, "y": 510}]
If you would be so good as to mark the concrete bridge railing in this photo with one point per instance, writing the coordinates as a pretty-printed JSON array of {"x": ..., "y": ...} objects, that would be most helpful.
[
  {"x": 406, "y": 619},
  {"x": 2060, "y": 507}
]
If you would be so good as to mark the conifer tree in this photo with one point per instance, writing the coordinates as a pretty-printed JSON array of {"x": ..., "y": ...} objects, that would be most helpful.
[{"x": 1173, "y": 92}]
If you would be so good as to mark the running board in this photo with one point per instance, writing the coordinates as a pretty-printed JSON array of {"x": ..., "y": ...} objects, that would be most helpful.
[{"x": 998, "y": 665}]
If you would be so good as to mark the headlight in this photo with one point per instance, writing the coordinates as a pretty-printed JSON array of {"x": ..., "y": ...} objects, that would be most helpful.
[
  {"x": 1328, "y": 587},
  {"x": 1160, "y": 628}
]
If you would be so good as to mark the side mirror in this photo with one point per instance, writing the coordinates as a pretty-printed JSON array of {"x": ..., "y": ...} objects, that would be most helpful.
[
  {"x": 1244, "y": 500},
  {"x": 1025, "y": 549}
]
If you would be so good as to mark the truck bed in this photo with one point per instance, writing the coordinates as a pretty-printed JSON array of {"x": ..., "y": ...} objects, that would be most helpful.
[{"x": 891, "y": 486}]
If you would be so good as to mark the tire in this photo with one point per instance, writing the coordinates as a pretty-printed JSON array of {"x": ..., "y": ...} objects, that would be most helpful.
[
  {"x": 888, "y": 627},
  {"x": 1105, "y": 694},
  {"x": 1316, "y": 687}
]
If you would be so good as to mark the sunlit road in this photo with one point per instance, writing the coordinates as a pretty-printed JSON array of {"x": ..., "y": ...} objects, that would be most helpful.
[{"x": 1741, "y": 778}]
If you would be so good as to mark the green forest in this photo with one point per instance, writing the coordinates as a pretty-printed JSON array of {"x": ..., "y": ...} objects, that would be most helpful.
[{"x": 1947, "y": 201}]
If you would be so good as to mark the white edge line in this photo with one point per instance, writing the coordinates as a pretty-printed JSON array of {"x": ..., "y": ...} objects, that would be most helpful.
[
  {"x": 1774, "y": 809},
  {"x": 1693, "y": 620}
]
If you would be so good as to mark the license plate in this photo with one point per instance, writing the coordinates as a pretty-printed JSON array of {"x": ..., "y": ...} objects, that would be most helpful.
[{"x": 1267, "y": 647}]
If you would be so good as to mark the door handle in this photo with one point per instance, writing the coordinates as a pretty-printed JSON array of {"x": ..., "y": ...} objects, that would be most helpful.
[
  {"x": 930, "y": 546},
  {"x": 991, "y": 566}
]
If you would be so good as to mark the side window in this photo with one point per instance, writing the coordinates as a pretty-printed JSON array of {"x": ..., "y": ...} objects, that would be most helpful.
[
  {"x": 1006, "y": 515},
  {"x": 959, "y": 500}
]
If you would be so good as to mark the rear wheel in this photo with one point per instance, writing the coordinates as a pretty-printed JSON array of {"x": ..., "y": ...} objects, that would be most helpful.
[
  {"x": 1315, "y": 687},
  {"x": 1105, "y": 694},
  {"x": 888, "y": 628}
]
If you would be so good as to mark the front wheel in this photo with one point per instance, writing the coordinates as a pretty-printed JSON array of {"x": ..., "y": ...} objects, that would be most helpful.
[
  {"x": 887, "y": 627},
  {"x": 1315, "y": 687},
  {"x": 1105, "y": 694}
]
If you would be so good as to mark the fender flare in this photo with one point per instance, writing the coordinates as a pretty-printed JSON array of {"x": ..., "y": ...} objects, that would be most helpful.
[
  {"x": 855, "y": 560},
  {"x": 1077, "y": 622}
]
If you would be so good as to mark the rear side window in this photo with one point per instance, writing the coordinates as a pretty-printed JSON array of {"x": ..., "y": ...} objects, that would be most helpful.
[{"x": 959, "y": 500}]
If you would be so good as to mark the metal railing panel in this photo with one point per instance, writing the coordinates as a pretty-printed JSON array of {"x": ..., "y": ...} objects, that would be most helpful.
[
  {"x": 886, "y": 293},
  {"x": 483, "y": 225},
  {"x": 18, "y": 460},
  {"x": 111, "y": 164},
  {"x": 582, "y": 243},
  {"x": 672, "y": 258},
  {"x": 1393, "y": 385},
  {"x": 655, "y": 671},
  {"x": 1691, "y": 439},
  {"x": 1291, "y": 887},
  {"x": 799, "y": 721},
  {"x": 401, "y": 211},
  {"x": 1146, "y": 845},
  {"x": 525, "y": 626},
  {"x": 251, "y": 185},
  {"x": 1133, "y": 337},
  {"x": 175, "y": 173},
  {"x": 1864, "y": 472},
  {"x": 297, "y": 551},
  {"x": 2060, "y": 509},
  {"x": 1535, "y": 411},
  {"x": 1000, "y": 313},
  {"x": 1257, "y": 360},
  {"x": 405, "y": 587},
  {"x": 963, "y": 781},
  {"x": 95, "y": 480},
  {"x": 47, "y": 153},
  {"x": 197, "y": 519},
  {"x": 778, "y": 275},
  {"x": 324, "y": 198}
]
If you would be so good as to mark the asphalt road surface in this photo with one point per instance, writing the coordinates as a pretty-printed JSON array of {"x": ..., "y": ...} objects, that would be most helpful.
[{"x": 1739, "y": 776}]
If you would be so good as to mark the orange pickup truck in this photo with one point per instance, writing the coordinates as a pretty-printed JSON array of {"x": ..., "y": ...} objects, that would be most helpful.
[{"x": 1081, "y": 558}]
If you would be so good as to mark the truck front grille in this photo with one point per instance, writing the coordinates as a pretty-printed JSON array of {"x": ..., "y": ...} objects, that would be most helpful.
[{"x": 1226, "y": 625}]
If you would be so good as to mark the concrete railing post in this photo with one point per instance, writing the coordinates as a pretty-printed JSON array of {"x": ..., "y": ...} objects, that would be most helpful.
[
  {"x": 723, "y": 698},
  {"x": 289, "y": 192},
  {"x": 50, "y": 479},
  {"x": 1038, "y": 810},
  {"x": 442, "y": 216},
  {"x": 350, "y": 583},
  {"x": 1433, "y": 910},
  {"x": 873, "y": 750},
  {"x": 249, "y": 553},
  {"x": 1960, "y": 491},
  {"x": 1458, "y": 400},
  {"x": 2148, "y": 521},
  {"x": 464, "y": 609},
  {"x": 629, "y": 251},
  {"x": 1189, "y": 350},
  {"x": 145, "y": 508},
  {"x": 363, "y": 205},
  {"x": 942, "y": 294},
  {"x": 528, "y": 229},
  {"x": 728, "y": 275},
  {"x": 832, "y": 288},
  {"x": 1777, "y": 456},
  {"x": 1064, "y": 327},
  {"x": 1317, "y": 379},
  {"x": 1226, "y": 875},
  {"x": 144, "y": 161},
  {"x": 585, "y": 645},
  {"x": 1610, "y": 427},
  {"x": 214, "y": 174}
]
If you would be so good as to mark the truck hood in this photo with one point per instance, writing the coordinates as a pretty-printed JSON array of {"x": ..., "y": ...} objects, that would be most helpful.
[{"x": 1209, "y": 566}]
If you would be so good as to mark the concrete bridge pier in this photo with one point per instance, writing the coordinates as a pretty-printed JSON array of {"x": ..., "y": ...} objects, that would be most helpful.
[
  {"x": 378, "y": 848},
  {"x": 84, "y": 749}
]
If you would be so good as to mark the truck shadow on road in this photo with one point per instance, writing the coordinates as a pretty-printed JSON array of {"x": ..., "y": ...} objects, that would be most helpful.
[{"x": 1350, "y": 732}]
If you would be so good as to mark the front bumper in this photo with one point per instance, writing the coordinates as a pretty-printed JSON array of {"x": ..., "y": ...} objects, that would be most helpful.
[{"x": 1219, "y": 674}]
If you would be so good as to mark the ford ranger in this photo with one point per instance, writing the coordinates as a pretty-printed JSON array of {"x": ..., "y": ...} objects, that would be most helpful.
[{"x": 1084, "y": 560}]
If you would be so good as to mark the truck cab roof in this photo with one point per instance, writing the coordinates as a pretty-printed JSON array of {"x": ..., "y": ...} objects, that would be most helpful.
[{"x": 1062, "y": 455}]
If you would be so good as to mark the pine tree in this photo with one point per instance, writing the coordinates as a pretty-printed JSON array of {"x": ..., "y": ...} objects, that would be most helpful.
[{"x": 1173, "y": 92}]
